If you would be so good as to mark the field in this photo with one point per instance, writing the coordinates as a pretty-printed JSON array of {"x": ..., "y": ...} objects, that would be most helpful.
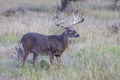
[{"x": 95, "y": 55}]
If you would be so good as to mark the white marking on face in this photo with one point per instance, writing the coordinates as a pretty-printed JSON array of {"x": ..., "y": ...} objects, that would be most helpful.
[{"x": 69, "y": 40}]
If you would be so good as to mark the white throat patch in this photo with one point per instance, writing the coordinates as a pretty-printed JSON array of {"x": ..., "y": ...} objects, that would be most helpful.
[{"x": 69, "y": 40}]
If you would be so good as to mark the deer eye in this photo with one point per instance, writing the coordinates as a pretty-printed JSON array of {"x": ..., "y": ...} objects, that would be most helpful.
[{"x": 70, "y": 31}]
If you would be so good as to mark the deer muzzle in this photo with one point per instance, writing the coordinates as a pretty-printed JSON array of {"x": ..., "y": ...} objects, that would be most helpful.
[{"x": 76, "y": 35}]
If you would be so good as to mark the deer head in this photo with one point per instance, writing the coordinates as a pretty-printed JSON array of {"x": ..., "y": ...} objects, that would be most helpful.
[{"x": 69, "y": 29}]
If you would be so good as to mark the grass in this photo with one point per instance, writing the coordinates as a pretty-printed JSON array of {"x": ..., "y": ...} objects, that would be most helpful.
[
  {"x": 8, "y": 40},
  {"x": 39, "y": 8},
  {"x": 2, "y": 70},
  {"x": 100, "y": 65},
  {"x": 93, "y": 56}
]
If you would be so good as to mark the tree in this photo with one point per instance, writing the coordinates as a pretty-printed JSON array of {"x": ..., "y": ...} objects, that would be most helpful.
[
  {"x": 115, "y": 4},
  {"x": 65, "y": 3}
]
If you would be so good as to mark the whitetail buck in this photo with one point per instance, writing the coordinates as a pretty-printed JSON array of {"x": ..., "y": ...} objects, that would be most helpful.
[{"x": 52, "y": 45}]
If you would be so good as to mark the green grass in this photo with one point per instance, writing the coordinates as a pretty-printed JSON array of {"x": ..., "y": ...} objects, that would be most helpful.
[
  {"x": 0, "y": 57},
  {"x": 16, "y": 73},
  {"x": 3, "y": 70},
  {"x": 9, "y": 39},
  {"x": 100, "y": 65},
  {"x": 112, "y": 49}
]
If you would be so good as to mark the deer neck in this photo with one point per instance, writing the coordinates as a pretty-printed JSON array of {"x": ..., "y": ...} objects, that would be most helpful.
[{"x": 65, "y": 39}]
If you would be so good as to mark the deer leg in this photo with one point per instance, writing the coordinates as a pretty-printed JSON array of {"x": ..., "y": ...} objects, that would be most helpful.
[
  {"x": 59, "y": 61},
  {"x": 51, "y": 60},
  {"x": 24, "y": 58},
  {"x": 34, "y": 60}
]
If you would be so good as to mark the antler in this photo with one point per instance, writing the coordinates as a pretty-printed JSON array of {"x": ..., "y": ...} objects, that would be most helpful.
[
  {"x": 58, "y": 23},
  {"x": 61, "y": 22},
  {"x": 76, "y": 20}
]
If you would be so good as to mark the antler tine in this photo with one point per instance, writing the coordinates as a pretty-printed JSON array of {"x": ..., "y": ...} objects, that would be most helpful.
[
  {"x": 58, "y": 23},
  {"x": 76, "y": 22},
  {"x": 61, "y": 22},
  {"x": 76, "y": 19}
]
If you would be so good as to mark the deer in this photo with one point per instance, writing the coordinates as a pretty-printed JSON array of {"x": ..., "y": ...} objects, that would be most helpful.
[{"x": 51, "y": 45}]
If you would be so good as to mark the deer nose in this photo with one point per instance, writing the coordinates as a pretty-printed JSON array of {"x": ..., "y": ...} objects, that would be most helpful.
[{"x": 77, "y": 35}]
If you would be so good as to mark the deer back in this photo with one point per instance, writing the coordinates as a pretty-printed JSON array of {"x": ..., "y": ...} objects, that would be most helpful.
[{"x": 34, "y": 42}]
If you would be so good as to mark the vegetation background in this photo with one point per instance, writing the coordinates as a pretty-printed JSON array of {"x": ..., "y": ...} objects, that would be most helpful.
[{"x": 93, "y": 56}]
